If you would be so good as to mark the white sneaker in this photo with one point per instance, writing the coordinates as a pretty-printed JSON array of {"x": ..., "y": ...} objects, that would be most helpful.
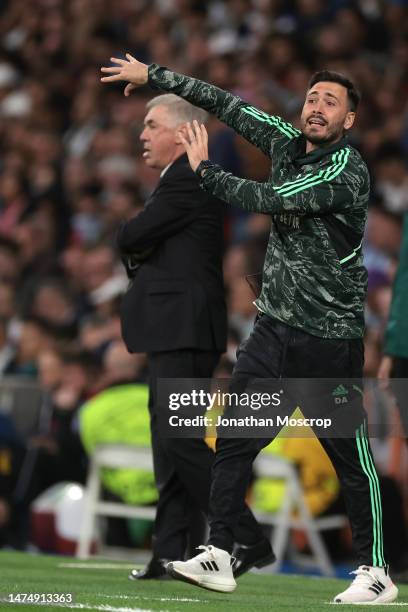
[
  {"x": 371, "y": 586},
  {"x": 210, "y": 569}
]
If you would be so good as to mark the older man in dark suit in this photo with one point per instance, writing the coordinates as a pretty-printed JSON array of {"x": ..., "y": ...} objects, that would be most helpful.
[{"x": 175, "y": 311}]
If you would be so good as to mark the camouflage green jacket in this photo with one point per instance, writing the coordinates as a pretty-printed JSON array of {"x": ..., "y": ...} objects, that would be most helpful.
[
  {"x": 313, "y": 275},
  {"x": 396, "y": 337}
]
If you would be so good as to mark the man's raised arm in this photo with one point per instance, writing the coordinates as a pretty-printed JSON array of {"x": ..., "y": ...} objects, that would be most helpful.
[
  {"x": 260, "y": 129},
  {"x": 319, "y": 194},
  {"x": 321, "y": 191}
]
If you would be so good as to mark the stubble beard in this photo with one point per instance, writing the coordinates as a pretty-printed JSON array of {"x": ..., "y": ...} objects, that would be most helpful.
[{"x": 333, "y": 135}]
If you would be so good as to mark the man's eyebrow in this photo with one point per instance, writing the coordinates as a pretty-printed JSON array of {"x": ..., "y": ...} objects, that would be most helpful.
[{"x": 326, "y": 93}]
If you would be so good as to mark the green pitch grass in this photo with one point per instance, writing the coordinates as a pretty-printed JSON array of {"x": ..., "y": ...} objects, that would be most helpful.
[{"x": 103, "y": 585}]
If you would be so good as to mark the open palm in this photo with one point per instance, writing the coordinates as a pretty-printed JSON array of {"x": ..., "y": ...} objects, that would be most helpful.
[
  {"x": 195, "y": 141},
  {"x": 129, "y": 69}
]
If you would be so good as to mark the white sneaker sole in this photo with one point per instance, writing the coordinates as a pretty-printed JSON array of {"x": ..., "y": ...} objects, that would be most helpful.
[
  {"x": 388, "y": 596},
  {"x": 215, "y": 583}
]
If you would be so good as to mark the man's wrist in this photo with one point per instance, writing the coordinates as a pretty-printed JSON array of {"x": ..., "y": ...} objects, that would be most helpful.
[
  {"x": 146, "y": 75},
  {"x": 153, "y": 75},
  {"x": 150, "y": 68},
  {"x": 202, "y": 167}
]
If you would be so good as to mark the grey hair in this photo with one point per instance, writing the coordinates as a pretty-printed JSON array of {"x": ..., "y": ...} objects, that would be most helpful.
[{"x": 180, "y": 110}]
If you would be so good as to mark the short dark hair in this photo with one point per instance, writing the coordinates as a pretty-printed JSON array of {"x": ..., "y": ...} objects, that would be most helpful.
[{"x": 353, "y": 94}]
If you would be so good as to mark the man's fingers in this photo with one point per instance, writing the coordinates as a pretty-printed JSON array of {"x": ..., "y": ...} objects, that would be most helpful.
[
  {"x": 197, "y": 132},
  {"x": 117, "y": 60},
  {"x": 204, "y": 134},
  {"x": 185, "y": 144},
  {"x": 184, "y": 129},
  {"x": 129, "y": 87},
  {"x": 130, "y": 58},
  {"x": 109, "y": 79},
  {"x": 190, "y": 133},
  {"x": 111, "y": 69},
  {"x": 189, "y": 138},
  {"x": 185, "y": 141}
]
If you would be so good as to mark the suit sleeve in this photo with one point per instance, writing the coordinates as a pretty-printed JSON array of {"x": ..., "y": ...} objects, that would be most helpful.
[
  {"x": 328, "y": 190},
  {"x": 176, "y": 204},
  {"x": 260, "y": 129}
]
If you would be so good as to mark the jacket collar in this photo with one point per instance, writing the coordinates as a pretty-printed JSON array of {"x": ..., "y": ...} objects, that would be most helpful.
[
  {"x": 300, "y": 157},
  {"x": 180, "y": 160},
  {"x": 164, "y": 173}
]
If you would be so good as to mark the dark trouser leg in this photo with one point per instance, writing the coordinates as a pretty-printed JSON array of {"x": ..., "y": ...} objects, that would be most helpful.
[
  {"x": 184, "y": 473},
  {"x": 272, "y": 352},
  {"x": 350, "y": 451},
  {"x": 231, "y": 475},
  {"x": 353, "y": 462},
  {"x": 191, "y": 461},
  {"x": 261, "y": 356},
  {"x": 171, "y": 522},
  {"x": 395, "y": 532}
]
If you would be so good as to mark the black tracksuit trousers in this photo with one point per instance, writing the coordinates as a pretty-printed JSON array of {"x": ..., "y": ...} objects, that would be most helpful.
[
  {"x": 275, "y": 350},
  {"x": 183, "y": 466}
]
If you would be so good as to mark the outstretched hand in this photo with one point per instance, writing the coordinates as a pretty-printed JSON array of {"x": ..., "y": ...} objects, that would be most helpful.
[
  {"x": 195, "y": 140},
  {"x": 129, "y": 69}
]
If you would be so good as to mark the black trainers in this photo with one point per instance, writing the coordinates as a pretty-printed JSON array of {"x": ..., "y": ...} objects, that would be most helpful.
[
  {"x": 258, "y": 555},
  {"x": 154, "y": 570}
]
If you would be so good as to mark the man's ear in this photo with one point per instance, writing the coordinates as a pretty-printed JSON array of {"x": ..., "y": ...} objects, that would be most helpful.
[
  {"x": 349, "y": 120},
  {"x": 179, "y": 129}
]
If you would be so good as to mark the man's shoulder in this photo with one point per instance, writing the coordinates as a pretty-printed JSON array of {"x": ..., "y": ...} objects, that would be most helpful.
[
  {"x": 180, "y": 187},
  {"x": 356, "y": 159},
  {"x": 346, "y": 164},
  {"x": 180, "y": 169},
  {"x": 180, "y": 181}
]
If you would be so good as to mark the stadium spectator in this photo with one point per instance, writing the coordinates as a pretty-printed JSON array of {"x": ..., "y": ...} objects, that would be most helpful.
[
  {"x": 35, "y": 336},
  {"x": 70, "y": 378},
  {"x": 11, "y": 455},
  {"x": 395, "y": 359},
  {"x": 118, "y": 414}
]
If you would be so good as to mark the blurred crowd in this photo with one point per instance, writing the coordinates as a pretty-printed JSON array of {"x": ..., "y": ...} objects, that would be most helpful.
[{"x": 71, "y": 168}]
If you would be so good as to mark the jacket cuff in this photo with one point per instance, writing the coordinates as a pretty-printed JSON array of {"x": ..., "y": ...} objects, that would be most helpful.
[
  {"x": 203, "y": 165},
  {"x": 151, "y": 73}
]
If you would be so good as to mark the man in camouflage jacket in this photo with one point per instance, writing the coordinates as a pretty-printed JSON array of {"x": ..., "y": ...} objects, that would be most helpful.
[{"x": 311, "y": 304}]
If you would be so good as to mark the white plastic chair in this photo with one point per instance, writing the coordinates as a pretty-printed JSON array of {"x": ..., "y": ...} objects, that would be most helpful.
[
  {"x": 269, "y": 466},
  {"x": 110, "y": 456}
]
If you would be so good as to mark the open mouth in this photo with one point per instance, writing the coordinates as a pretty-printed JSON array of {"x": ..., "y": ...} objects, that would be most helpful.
[{"x": 317, "y": 121}]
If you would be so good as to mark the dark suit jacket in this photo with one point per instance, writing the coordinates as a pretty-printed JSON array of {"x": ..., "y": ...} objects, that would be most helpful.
[{"x": 176, "y": 297}]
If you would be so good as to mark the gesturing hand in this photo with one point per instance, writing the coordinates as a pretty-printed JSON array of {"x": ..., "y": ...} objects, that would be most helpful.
[
  {"x": 127, "y": 70},
  {"x": 195, "y": 141}
]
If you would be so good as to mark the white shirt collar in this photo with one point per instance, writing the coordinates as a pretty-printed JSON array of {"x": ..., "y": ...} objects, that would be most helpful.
[{"x": 163, "y": 172}]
